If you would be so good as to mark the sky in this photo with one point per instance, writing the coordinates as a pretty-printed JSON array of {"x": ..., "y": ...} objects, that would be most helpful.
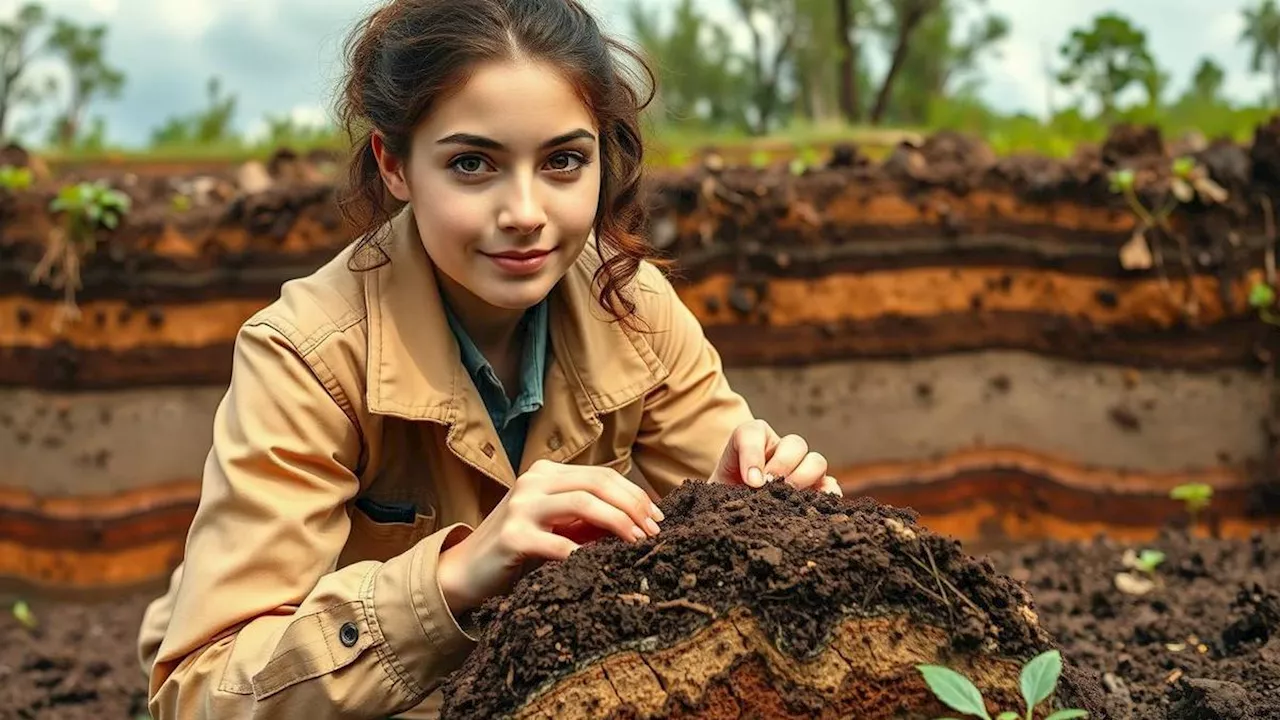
[{"x": 284, "y": 56}]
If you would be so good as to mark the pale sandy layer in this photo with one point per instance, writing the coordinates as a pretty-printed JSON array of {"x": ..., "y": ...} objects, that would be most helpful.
[{"x": 859, "y": 412}]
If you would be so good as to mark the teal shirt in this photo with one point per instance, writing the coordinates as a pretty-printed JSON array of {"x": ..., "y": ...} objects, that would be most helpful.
[{"x": 510, "y": 418}]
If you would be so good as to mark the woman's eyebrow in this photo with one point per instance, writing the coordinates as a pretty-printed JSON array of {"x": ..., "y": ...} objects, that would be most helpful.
[{"x": 480, "y": 141}]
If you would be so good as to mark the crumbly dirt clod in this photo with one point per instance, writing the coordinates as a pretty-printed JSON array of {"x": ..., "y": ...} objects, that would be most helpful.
[{"x": 774, "y": 601}]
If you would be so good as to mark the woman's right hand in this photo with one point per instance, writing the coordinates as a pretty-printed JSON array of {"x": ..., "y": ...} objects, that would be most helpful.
[{"x": 539, "y": 518}]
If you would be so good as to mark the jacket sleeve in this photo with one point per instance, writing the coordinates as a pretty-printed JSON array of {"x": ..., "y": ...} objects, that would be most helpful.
[
  {"x": 262, "y": 624},
  {"x": 689, "y": 417}
]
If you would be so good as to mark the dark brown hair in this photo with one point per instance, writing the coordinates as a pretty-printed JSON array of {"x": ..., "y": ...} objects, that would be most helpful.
[{"x": 407, "y": 56}]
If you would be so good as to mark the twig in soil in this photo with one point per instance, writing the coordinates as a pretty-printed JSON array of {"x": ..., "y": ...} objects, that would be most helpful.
[
  {"x": 648, "y": 555},
  {"x": 937, "y": 576},
  {"x": 686, "y": 604},
  {"x": 924, "y": 589},
  {"x": 867, "y": 598},
  {"x": 949, "y": 584},
  {"x": 634, "y": 598}
]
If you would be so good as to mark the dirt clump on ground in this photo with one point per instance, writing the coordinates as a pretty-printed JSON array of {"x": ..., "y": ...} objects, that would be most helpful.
[{"x": 754, "y": 603}]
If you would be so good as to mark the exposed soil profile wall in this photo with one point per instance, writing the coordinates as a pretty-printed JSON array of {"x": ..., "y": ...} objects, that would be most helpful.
[{"x": 956, "y": 330}]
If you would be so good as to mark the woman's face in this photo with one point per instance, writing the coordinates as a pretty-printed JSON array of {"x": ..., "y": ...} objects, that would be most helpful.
[{"x": 504, "y": 180}]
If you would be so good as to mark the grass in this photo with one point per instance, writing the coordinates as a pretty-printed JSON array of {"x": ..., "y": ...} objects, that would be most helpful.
[{"x": 677, "y": 146}]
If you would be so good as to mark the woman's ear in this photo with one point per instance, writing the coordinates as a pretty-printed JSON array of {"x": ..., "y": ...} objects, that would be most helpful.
[{"x": 390, "y": 167}]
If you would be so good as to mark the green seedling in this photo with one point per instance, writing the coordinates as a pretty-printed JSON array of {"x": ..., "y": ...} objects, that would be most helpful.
[
  {"x": 15, "y": 178},
  {"x": 1038, "y": 681},
  {"x": 180, "y": 203},
  {"x": 1196, "y": 497},
  {"x": 760, "y": 159},
  {"x": 85, "y": 209},
  {"x": 1148, "y": 560},
  {"x": 1262, "y": 297},
  {"x": 22, "y": 613},
  {"x": 1188, "y": 180}
]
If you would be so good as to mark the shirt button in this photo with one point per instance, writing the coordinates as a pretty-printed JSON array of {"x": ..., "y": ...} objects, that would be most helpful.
[{"x": 349, "y": 634}]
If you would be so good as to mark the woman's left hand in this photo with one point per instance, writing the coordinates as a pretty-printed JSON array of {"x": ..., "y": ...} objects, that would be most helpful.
[{"x": 756, "y": 454}]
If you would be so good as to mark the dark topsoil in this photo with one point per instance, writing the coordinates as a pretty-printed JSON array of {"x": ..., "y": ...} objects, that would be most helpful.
[
  {"x": 799, "y": 560},
  {"x": 80, "y": 662}
]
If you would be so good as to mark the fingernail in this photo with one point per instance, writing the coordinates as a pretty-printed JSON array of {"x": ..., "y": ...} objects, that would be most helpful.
[
  {"x": 656, "y": 512},
  {"x": 754, "y": 477},
  {"x": 653, "y": 526},
  {"x": 638, "y": 533}
]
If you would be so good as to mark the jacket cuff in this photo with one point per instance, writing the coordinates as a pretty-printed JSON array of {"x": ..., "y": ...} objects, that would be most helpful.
[{"x": 426, "y": 640}]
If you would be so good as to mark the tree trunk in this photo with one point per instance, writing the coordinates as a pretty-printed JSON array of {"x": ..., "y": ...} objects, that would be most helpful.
[
  {"x": 913, "y": 13},
  {"x": 848, "y": 62}
]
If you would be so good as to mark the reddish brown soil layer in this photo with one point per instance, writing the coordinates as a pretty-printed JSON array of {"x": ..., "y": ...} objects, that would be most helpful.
[
  {"x": 1205, "y": 644},
  {"x": 798, "y": 562}
]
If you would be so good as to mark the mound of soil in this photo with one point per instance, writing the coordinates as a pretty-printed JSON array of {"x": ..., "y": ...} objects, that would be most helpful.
[
  {"x": 1203, "y": 644},
  {"x": 755, "y": 603}
]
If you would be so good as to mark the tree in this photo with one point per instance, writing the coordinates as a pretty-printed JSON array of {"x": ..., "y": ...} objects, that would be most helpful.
[
  {"x": 846, "y": 26},
  {"x": 212, "y": 125},
  {"x": 1206, "y": 84},
  {"x": 768, "y": 68},
  {"x": 1107, "y": 58},
  {"x": 939, "y": 57},
  {"x": 1262, "y": 33},
  {"x": 19, "y": 46},
  {"x": 700, "y": 76},
  {"x": 82, "y": 49},
  {"x": 905, "y": 19}
]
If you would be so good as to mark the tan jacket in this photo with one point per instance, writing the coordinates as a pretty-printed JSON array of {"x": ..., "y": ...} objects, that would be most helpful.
[{"x": 291, "y": 602}]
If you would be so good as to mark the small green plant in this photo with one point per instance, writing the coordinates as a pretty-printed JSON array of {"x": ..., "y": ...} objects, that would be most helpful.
[
  {"x": 85, "y": 208},
  {"x": 1148, "y": 560},
  {"x": 1262, "y": 297},
  {"x": 1195, "y": 496},
  {"x": 1038, "y": 681},
  {"x": 1188, "y": 180},
  {"x": 180, "y": 203},
  {"x": 760, "y": 159},
  {"x": 15, "y": 178},
  {"x": 22, "y": 613}
]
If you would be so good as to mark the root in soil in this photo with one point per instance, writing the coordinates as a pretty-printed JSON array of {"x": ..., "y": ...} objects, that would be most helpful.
[{"x": 755, "y": 603}]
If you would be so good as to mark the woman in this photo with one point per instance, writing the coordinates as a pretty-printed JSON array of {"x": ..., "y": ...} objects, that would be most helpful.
[{"x": 458, "y": 394}]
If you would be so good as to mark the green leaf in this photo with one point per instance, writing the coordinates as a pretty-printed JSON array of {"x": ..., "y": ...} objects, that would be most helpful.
[
  {"x": 110, "y": 220},
  {"x": 954, "y": 690},
  {"x": 1040, "y": 677},
  {"x": 1183, "y": 166},
  {"x": 22, "y": 612},
  {"x": 1071, "y": 714},
  {"x": 1261, "y": 295},
  {"x": 1008, "y": 715}
]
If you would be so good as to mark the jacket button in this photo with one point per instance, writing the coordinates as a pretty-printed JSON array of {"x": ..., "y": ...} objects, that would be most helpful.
[
  {"x": 554, "y": 442},
  {"x": 489, "y": 450},
  {"x": 349, "y": 634}
]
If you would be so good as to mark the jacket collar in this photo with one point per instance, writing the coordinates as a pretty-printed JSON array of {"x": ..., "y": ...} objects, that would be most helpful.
[{"x": 414, "y": 370}]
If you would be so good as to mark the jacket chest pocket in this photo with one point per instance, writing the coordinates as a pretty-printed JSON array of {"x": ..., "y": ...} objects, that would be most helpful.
[{"x": 381, "y": 530}]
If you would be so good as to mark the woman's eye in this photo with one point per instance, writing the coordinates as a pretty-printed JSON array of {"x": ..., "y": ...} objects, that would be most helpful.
[
  {"x": 469, "y": 165},
  {"x": 566, "y": 162}
]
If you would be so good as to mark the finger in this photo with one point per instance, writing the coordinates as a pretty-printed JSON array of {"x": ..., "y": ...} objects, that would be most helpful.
[
  {"x": 787, "y": 456},
  {"x": 753, "y": 442},
  {"x": 564, "y": 508},
  {"x": 809, "y": 472},
  {"x": 580, "y": 532},
  {"x": 549, "y": 546},
  {"x": 606, "y": 484},
  {"x": 831, "y": 486}
]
